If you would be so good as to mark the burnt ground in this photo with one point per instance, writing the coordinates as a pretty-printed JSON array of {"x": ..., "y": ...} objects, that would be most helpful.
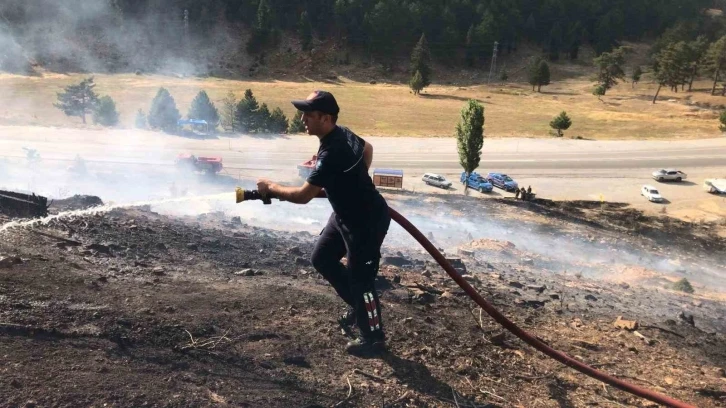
[{"x": 135, "y": 308}]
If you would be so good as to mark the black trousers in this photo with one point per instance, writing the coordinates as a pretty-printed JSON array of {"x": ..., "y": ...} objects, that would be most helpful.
[{"x": 354, "y": 283}]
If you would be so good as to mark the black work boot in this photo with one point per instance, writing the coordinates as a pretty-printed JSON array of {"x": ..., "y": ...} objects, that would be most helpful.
[{"x": 366, "y": 345}]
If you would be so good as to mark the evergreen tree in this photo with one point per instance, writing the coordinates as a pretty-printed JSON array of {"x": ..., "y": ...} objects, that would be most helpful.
[
  {"x": 264, "y": 119},
  {"x": 530, "y": 27},
  {"x": 533, "y": 72},
  {"x": 609, "y": 65},
  {"x": 262, "y": 29},
  {"x": 78, "y": 100},
  {"x": 140, "y": 121},
  {"x": 561, "y": 122},
  {"x": 203, "y": 108},
  {"x": 305, "y": 29},
  {"x": 421, "y": 61},
  {"x": 416, "y": 83},
  {"x": 470, "y": 136},
  {"x": 696, "y": 55},
  {"x": 599, "y": 91},
  {"x": 637, "y": 73},
  {"x": 163, "y": 113},
  {"x": 555, "y": 42},
  {"x": 296, "y": 124},
  {"x": 470, "y": 51},
  {"x": 278, "y": 121},
  {"x": 574, "y": 40},
  {"x": 485, "y": 34},
  {"x": 504, "y": 75},
  {"x": 229, "y": 108},
  {"x": 105, "y": 113},
  {"x": 671, "y": 66},
  {"x": 716, "y": 59},
  {"x": 246, "y": 113},
  {"x": 543, "y": 74}
]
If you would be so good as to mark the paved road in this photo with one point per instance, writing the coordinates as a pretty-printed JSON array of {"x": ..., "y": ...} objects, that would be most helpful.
[
  {"x": 516, "y": 156},
  {"x": 556, "y": 168}
]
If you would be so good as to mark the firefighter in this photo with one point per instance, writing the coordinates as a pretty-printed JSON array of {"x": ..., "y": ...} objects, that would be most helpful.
[{"x": 359, "y": 222}]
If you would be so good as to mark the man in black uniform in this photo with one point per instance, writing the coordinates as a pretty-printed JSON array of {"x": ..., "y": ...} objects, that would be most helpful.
[{"x": 358, "y": 224}]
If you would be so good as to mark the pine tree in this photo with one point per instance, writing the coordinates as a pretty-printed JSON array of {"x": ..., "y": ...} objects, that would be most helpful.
[
  {"x": 599, "y": 91},
  {"x": 543, "y": 74},
  {"x": 105, "y": 113},
  {"x": 637, "y": 73},
  {"x": 246, "y": 113},
  {"x": 533, "y": 72},
  {"x": 671, "y": 66},
  {"x": 716, "y": 59},
  {"x": 416, "y": 83},
  {"x": 278, "y": 121},
  {"x": 504, "y": 75},
  {"x": 296, "y": 124},
  {"x": 421, "y": 61},
  {"x": 574, "y": 40},
  {"x": 140, "y": 121},
  {"x": 485, "y": 34},
  {"x": 555, "y": 42},
  {"x": 305, "y": 29},
  {"x": 470, "y": 51},
  {"x": 229, "y": 108},
  {"x": 609, "y": 65},
  {"x": 470, "y": 136},
  {"x": 264, "y": 119},
  {"x": 78, "y": 100},
  {"x": 696, "y": 55},
  {"x": 203, "y": 108},
  {"x": 262, "y": 30},
  {"x": 561, "y": 122},
  {"x": 163, "y": 113}
]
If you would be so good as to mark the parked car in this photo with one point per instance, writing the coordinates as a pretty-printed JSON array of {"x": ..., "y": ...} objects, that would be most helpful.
[
  {"x": 669, "y": 175},
  {"x": 502, "y": 181},
  {"x": 715, "y": 186},
  {"x": 436, "y": 180},
  {"x": 477, "y": 182},
  {"x": 651, "y": 193}
]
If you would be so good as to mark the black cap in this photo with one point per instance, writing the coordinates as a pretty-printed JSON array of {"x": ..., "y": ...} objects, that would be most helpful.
[{"x": 321, "y": 101}]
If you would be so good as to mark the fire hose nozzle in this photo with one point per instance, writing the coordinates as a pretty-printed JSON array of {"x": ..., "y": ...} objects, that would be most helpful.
[{"x": 249, "y": 195}]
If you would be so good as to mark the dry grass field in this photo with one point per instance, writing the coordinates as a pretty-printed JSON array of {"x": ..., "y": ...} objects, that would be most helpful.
[{"x": 388, "y": 109}]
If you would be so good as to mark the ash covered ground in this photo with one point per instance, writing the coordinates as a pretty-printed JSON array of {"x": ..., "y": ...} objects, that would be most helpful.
[{"x": 196, "y": 301}]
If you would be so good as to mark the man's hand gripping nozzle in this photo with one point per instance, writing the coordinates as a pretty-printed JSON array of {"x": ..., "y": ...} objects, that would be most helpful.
[{"x": 249, "y": 195}]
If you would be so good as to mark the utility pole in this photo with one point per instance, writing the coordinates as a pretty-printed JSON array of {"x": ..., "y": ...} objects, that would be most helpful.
[{"x": 494, "y": 62}]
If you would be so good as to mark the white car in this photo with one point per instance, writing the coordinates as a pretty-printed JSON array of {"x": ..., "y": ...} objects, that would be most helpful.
[
  {"x": 436, "y": 180},
  {"x": 651, "y": 193},
  {"x": 715, "y": 186},
  {"x": 669, "y": 175}
]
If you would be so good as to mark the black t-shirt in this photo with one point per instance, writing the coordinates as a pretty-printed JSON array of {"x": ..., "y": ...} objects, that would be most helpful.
[{"x": 341, "y": 171}]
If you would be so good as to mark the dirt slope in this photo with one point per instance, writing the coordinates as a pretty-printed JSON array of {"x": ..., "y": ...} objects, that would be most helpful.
[{"x": 133, "y": 308}]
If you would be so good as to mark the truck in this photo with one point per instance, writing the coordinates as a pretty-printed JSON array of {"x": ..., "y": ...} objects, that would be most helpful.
[
  {"x": 305, "y": 168},
  {"x": 200, "y": 164},
  {"x": 477, "y": 182}
]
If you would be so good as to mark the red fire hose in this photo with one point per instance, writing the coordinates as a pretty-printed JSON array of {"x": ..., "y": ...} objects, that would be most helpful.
[{"x": 501, "y": 319}]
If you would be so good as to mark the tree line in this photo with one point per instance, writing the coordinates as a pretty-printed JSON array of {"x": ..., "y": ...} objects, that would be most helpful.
[
  {"x": 458, "y": 31},
  {"x": 246, "y": 115}
]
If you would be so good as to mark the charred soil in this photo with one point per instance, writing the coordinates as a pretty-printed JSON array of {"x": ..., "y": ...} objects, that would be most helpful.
[{"x": 135, "y": 308}]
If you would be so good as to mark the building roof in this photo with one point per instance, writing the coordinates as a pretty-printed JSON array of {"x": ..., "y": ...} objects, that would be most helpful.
[{"x": 388, "y": 172}]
